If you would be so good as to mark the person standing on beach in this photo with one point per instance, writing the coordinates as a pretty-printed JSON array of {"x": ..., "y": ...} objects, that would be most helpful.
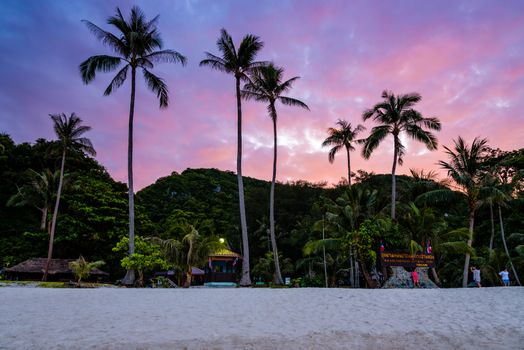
[
  {"x": 476, "y": 276},
  {"x": 504, "y": 274},
  {"x": 414, "y": 276}
]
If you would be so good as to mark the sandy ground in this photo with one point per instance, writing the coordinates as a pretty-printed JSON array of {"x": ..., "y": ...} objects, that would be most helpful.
[{"x": 107, "y": 318}]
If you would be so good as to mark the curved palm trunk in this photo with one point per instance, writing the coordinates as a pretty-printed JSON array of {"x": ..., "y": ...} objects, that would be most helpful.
[
  {"x": 465, "y": 272},
  {"x": 349, "y": 167},
  {"x": 245, "y": 280},
  {"x": 130, "y": 275},
  {"x": 369, "y": 281},
  {"x": 278, "y": 275},
  {"x": 506, "y": 246},
  {"x": 394, "y": 180},
  {"x": 55, "y": 215}
]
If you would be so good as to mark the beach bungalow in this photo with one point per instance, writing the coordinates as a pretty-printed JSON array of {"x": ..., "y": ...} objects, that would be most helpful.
[
  {"x": 33, "y": 270},
  {"x": 223, "y": 267}
]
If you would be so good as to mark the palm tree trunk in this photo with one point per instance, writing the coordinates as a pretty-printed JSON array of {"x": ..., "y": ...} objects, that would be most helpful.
[
  {"x": 394, "y": 180},
  {"x": 506, "y": 246},
  {"x": 351, "y": 268},
  {"x": 278, "y": 275},
  {"x": 130, "y": 275},
  {"x": 349, "y": 167},
  {"x": 435, "y": 276},
  {"x": 43, "y": 221},
  {"x": 492, "y": 230},
  {"x": 465, "y": 272},
  {"x": 55, "y": 214},
  {"x": 246, "y": 279},
  {"x": 369, "y": 281}
]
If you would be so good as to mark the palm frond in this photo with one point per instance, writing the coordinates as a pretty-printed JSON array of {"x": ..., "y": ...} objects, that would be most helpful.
[
  {"x": 169, "y": 56},
  {"x": 215, "y": 62},
  {"x": 100, "y": 63},
  {"x": 332, "y": 152},
  {"x": 378, "y": 133},
  {"x": 312, "y": 247},
  {"x": 158, "y": 86},
  {"x": 288, "y": 101},
  {"x": 107, "y": 38},
  {"x": 117, "y": 81},
  {"x": 455, "y": 248},
  {"x": 419, "y": 134}
]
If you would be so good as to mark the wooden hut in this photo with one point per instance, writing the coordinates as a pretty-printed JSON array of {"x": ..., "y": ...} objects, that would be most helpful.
[
  {"x": 59, "y": 270},
  {"x": 223, "y": 266}
]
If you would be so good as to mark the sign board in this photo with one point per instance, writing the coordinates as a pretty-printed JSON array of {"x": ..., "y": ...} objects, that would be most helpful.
[
  {"x": 407, "y": 260},
  {"x": 288, "y": 281}
]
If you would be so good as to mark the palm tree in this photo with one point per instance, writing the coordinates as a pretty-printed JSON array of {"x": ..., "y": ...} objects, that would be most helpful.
[
  {"x": 345, "y": 136},
  {"x": 465, "y": 168},
  {"x": 82, "y": 268},
  {"x": 239, "y": 63},
  {"x": 69, "y": 131},
  {"x": 38, "y": 193},
  {"x": 135, "y": 46},
  {"x": 499, "y": 192},
  {"x": 266, "y": 86},
  {"x": 396, "y": 115}
]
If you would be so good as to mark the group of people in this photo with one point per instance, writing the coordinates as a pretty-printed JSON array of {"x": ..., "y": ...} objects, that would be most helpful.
[{"x": 504, "y": 275}]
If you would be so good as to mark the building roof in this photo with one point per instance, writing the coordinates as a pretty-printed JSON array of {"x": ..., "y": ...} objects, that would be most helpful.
[
  {"x": 225, "y": 253},
  {"x": 37, "y": 265},
  {"x": 197, "y": 271}
]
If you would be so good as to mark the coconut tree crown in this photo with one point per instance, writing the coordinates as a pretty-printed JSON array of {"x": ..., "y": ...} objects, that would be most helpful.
[
  {"x": 69, "y": 131},
  {"x": 344, "y": 136},
  {"x": 237, "y": 62},
  {"x": 465, "y": 165},
  {"x": 135, "y": 44},
  {"x": 396, "y": 115},
  {"x": 265, "y": 85}
]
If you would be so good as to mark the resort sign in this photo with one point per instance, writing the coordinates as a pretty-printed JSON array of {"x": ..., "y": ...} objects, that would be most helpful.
[{"x": 407, "y": 260}]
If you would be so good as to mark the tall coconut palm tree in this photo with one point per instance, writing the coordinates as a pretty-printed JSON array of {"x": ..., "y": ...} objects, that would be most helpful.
[
  {"x": 396, "y": 115},
  {"x": 69, "y": 131},
  {"x": 138, "y": 46},
  {"x": 344, "y": 136},
  {"x": 238, "y": 63},
  {"x": 266, "y": 86},
  {"x": 465, "y": 168}
]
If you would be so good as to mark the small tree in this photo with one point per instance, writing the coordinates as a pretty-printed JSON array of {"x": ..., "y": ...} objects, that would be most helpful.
[
  {"x": 146, "y": 257},
  {"x": 82, "y": 269}
]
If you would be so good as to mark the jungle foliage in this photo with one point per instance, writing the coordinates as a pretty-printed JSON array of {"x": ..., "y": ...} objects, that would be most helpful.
[{"x": 92, "y": 221}]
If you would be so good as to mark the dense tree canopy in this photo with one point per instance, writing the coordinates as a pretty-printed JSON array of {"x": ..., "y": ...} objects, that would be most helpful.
[{"x": 93, "y": 219}]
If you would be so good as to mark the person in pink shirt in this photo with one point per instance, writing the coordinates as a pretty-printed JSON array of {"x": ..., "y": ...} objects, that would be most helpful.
[{"x": 414, "y": 276}]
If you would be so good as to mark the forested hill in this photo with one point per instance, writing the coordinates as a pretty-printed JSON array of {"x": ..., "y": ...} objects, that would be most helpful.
[{"x": 211, "y": 195}]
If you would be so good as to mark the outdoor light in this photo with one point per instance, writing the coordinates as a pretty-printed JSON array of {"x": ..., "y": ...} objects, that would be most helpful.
[{"x": 221, "y": 240}]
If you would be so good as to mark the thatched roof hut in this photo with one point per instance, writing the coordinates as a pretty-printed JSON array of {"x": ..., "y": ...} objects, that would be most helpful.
[{"x": 59, "y": 270}]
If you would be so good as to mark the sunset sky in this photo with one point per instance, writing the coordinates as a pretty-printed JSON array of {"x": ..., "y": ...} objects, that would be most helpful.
[{"x": 466, "y": 59}]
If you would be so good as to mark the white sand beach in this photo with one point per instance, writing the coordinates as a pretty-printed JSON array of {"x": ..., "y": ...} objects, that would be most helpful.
[{"x": 107, "y": 318}]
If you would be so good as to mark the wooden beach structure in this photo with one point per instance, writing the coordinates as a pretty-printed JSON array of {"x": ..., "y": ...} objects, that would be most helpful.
[
  {"x": 59, "y": 270},
  {"x": 223, "y": 266}
]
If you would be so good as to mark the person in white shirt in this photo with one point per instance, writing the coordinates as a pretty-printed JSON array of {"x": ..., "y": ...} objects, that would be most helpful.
[
  {"x": 504, "y": 274},
  {"x": 476, "y": 276}
]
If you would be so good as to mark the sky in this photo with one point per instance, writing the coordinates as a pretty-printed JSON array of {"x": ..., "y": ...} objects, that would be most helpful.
[{"x": 464, "y": 57}]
